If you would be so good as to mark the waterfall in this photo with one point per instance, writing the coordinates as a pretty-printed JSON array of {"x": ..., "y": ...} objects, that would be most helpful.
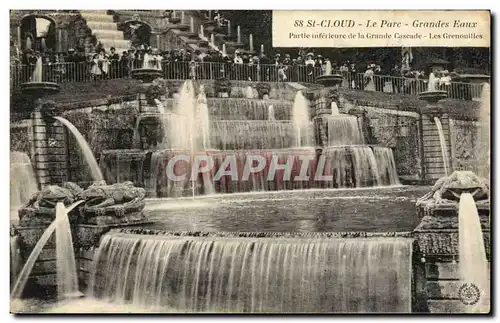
[
  {"x": 254, "y": 275},
  {"x": 344, "y": 130},
  {"x": 23, "y": 276},
  {"x": 86, "y": 150},
  {"x": 67, "y": 280},
  {"x": 253, "y": 134},
  {"x": 16, "y": 260},
  {"x": 473, "y": 265},
  {"x": 328, "y": 68},
  {"x": 352, "y": 166},
  {"x": 270, "y": 113},
  {"x": 203, "y": 119},
  {"x": 442, "y": 142},
  {"x": 37, "y": 73},
  {"x": 335, "y": 108},
  {"x": 386, "y": 166},
  {"x": 301, "y": 120},
  {"x": 181, "y": 127},
  {"x": 248, "y": 92},
  {"x": 23, "y": 183}
]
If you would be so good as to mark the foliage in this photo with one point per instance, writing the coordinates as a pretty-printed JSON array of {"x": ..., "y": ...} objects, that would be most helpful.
[
  {"x": 263, "y": 89},
  {"x": 157, "y": 88},
  {"x": 255, "y": 22},
  {"x": 222, "y": 85}
]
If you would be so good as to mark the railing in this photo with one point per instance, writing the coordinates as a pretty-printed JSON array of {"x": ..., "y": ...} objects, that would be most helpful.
[{"x": 84, "y": 72}]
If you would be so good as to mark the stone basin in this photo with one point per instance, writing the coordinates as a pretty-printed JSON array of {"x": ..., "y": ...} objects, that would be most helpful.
[
  {"x": 147, "y": 75},
  {"x": 432, "y": 96},
  {"x": 40, "y": 89},
  {"x": 329, "y": 80}
]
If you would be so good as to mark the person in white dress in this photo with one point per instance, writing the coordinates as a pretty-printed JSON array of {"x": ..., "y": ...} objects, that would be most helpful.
[{"x": 368, "y": 78}]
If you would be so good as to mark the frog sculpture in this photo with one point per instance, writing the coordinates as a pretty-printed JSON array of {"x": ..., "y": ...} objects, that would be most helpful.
[
  {"x": 449, "y": 188},
  {"x": 101, "y": 198},
  {"x": 40, "y": 209},
  {"x": 116, "y": 200},
  {"x": 50, "y": 195}
]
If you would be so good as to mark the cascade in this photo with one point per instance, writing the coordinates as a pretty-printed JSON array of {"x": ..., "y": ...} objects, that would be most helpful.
[{"x": 254, "y": 274}]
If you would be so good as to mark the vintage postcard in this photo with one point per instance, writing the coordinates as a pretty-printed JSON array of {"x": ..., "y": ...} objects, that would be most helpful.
[{"x": 244, "y": 161}]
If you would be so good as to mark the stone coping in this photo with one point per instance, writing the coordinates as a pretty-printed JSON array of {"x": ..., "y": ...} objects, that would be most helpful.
[
  {"x": 451, "y": 206},
  {"x": 199, "y": 234}
]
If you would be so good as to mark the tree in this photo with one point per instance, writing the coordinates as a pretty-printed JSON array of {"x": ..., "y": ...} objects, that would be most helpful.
[{"x": 255, "y": 22}]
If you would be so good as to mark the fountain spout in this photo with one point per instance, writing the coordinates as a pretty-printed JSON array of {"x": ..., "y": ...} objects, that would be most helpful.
[
  {"x": 250, "y": 42},
  {"x": 86, "y": 150},
  {"x": 328, "y": 68},
  {"x": 432, "y": 83},
  {"x": 432, "y": 95},
  {"x": 37, "y": 73}
]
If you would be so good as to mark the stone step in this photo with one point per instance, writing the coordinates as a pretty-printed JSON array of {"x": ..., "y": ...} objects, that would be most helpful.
[
  {"x": 432, "y": 154},
  {"x": 102, "y": 25},
  {"x": 433, "y": 159},
  {"x": 435, "y": 147}
]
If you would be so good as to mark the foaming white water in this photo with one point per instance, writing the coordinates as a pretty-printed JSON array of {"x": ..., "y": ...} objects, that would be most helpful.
[
  {"x": 254, "y": 275},
  {"x": 89, "y": 305},
  {"x": 23, "y": 183},
  {"x": 86, "y": 150},
  {"x": 442, "y": 142},
  {"x": 67, "y": 281},
  {"x": 202, "y": 118},
  {"x": 432, "y": 83},
  {"x": 249, "y": 92},
  {"x": 301, "y": 121},
  {"x": 473, "y": 263},
  {"x": 344, "y": 130},
  {"x": 386, "y": 165},
  {"x": 270, "y": 113},
  {"x": 82, "y": 306}
]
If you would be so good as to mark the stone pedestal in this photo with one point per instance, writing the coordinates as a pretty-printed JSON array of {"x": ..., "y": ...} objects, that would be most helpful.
[
  {"x": 50, "y": 142},
  {"x": 49, "y": 135}
]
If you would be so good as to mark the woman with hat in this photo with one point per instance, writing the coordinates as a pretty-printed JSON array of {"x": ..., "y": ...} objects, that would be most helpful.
[
  {"x": 369, "y": 84},
  {"x": 310, "y": 63}
]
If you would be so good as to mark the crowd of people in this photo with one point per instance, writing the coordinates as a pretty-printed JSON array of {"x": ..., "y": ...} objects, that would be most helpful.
[{"x": 75, "y": 65}]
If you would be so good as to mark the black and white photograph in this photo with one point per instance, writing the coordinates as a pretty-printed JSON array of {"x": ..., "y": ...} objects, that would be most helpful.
[{"x": 177, "y": 161}]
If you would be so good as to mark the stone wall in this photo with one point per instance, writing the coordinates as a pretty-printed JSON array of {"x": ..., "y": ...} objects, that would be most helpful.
[
  {"x": 397, "y": 130},
  {"x": 465, "y": 147},
  {"x": 104, "y": 127},
  {"x": 21, "y": 137}
]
